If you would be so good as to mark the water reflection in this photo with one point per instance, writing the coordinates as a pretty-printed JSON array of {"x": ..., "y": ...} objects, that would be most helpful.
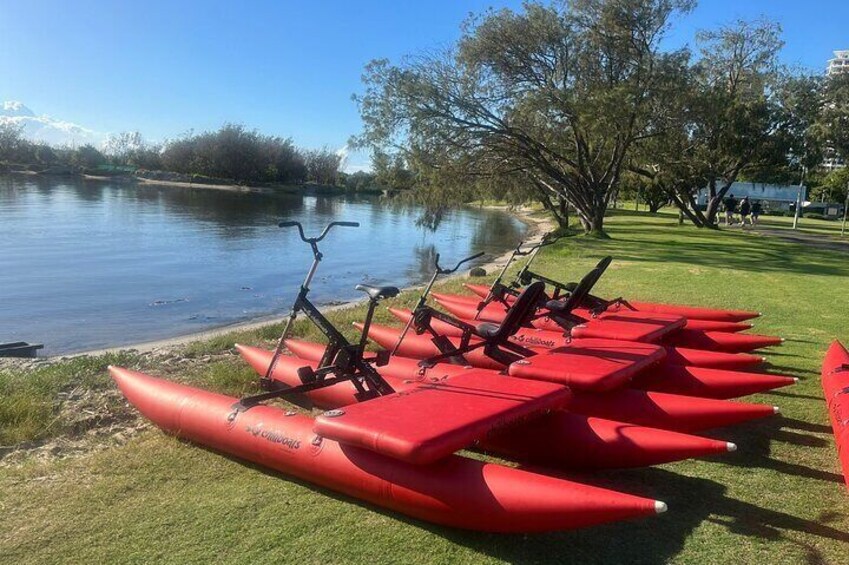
[{"x": 95, "y": 264}]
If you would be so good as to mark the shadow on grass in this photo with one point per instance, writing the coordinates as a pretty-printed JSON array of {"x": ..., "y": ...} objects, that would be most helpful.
[
  {"x": 758, "y": 259},
  {"x": 632, "y": 542},
  {"x": 709, "y": 248},
  {"x": 773, "y": 353},
  {"x": 801, "y": 374},
  {"x": 794, "y": 395},
  {"x": 795, "y": 424},
  {"x": 754, "y": 440},
  {"x": 652, "y": 540},
  {"x": 797, "y": 340}
]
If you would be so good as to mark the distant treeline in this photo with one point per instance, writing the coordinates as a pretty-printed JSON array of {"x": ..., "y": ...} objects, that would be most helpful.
[{"x": 233, "y": 153}]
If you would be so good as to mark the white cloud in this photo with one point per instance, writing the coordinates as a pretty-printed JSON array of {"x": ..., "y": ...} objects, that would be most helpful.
[
  {"x": 46, "y": 129},
  {"x": 13, "y": 108},
  {"x": 354, "y": 161}
]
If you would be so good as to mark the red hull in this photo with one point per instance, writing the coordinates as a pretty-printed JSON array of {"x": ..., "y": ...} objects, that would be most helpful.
[
  {"x": 646, "y": 408},
  {"x": 693, "y": 312},
  {"x": 721, "y": 341},
  {"x": 620, "y": 325},
  {"x": 708, "y": 383},
  {"x": 626, "y": 326},
  {"x": 713, "y": 326},
  {"x": 542, "y": 340},
  {"x": 835, "y": 385},
  {"x": 690, "y": 312},
  {"x": 456, "y": 491},
  {"x": 559, "y": 439}
]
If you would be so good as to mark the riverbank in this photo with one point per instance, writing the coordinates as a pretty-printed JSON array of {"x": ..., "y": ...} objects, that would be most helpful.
[
  {"x": 103, "y": 485},
  {"x": 212, "y": 184}
]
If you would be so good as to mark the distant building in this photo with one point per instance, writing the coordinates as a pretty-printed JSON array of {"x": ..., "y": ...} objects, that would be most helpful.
[
  {"x": 840, "y": 63},
  {"x": 828, "y": 210},
  {"x": 832, "y": 161},
  {"x": 776, "y": 198},
  {"x": 773, "y": 197}
]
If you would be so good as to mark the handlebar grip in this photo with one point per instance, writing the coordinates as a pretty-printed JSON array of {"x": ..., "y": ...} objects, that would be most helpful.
[
  {"x": 475, "y": 256},
  {"x": 347, "y": 224},
  {"x": 289, "y": 224}
]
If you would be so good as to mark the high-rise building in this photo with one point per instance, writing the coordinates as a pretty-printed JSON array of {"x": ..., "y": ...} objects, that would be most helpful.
[{"x": 840, "y": 63}]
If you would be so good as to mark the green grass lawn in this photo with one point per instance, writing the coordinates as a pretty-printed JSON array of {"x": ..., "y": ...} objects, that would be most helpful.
[{"x": 778, "y": 499}]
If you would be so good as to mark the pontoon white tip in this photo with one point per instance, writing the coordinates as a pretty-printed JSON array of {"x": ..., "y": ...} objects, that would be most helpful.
[
  {"x": 763, "y": 358},
  {"x": 660, "y": 507},
  {"x": 783, "y": 340},
  {"x": 795, "y": 380},
  {"x": 109, "y": 367},
  {"x": 776, "y": 410},
  {"x": 731, "y": 446}
]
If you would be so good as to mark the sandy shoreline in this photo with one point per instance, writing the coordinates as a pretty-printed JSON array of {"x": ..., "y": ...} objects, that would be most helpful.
[
  {"x": 537, "y": 226},
  {"x": 132, "y": 179},
  {"x": 226, "y": 187}
]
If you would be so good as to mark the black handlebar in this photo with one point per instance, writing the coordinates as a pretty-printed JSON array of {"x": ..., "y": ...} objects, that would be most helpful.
[
  {"x": 293, "y": 224},
  {"x": 442, "y": 271}
]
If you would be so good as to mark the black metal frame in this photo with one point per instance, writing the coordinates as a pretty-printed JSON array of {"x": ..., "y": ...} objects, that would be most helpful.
[
  {"x": 495, "y": 348},
  {"x": 594, "y": 304},
  {"x": 563, "y": 317},
  {"x": 341, "y": 361},
  {"x": 423, "y": 297},
  {"x": 499, "y": 291},
  {"x": 423, "y": 314},
  {"x": 455, "y": 354}
]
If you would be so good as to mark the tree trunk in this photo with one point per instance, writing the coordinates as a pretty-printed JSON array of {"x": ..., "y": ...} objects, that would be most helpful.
[
  {"x": 590, "y": 207},
  {"x": 687, "y": 206},
  {"x": 560, "y": 215},
  {"x": 564, "y": 212},
  {"x": 716, "y": 199},
  {"x": 712, "y": 210},
  {"x": 595, "y": 224}
]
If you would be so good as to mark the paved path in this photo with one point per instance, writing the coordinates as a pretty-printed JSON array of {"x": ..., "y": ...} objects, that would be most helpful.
[{"x": 818, "y": 241}]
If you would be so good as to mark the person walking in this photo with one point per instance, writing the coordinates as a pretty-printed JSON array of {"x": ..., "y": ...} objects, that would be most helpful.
[
  {"x": 745, "y": 210},
  {"x": 756, "y": 211},
  {"x": 730, "y": 208}
]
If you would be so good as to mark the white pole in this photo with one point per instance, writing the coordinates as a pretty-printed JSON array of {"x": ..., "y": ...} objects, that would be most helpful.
[
  {"x": 845, "y": 211},
  {"x": 798, "y": 206},
  {"x": 799, "y": 201}
]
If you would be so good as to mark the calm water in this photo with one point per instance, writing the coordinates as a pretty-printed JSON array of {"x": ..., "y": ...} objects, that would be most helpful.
[{"x": 85, "y": 265}]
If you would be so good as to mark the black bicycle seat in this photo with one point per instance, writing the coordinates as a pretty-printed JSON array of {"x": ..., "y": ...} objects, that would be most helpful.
[
  {"x": 376, "y": 292},
  {"x": 487, "y": 329},
  {"x": 556, "y": 305}
]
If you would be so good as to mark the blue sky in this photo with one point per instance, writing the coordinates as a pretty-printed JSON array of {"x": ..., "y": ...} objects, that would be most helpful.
[{"x": 287, "y": 68}]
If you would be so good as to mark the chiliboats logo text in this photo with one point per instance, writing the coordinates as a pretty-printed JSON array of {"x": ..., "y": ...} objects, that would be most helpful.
[{"x": 273, "y": 436}]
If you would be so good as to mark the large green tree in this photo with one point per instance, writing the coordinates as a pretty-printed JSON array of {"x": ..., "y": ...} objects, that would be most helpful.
[
  {"x": 737, "y": 117},
  {"x": 734, "y": 114},
  {"x": 322, "y": 165},
  {"x": 552, "y": 97},
  {"x": 834, "y": 119}
]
